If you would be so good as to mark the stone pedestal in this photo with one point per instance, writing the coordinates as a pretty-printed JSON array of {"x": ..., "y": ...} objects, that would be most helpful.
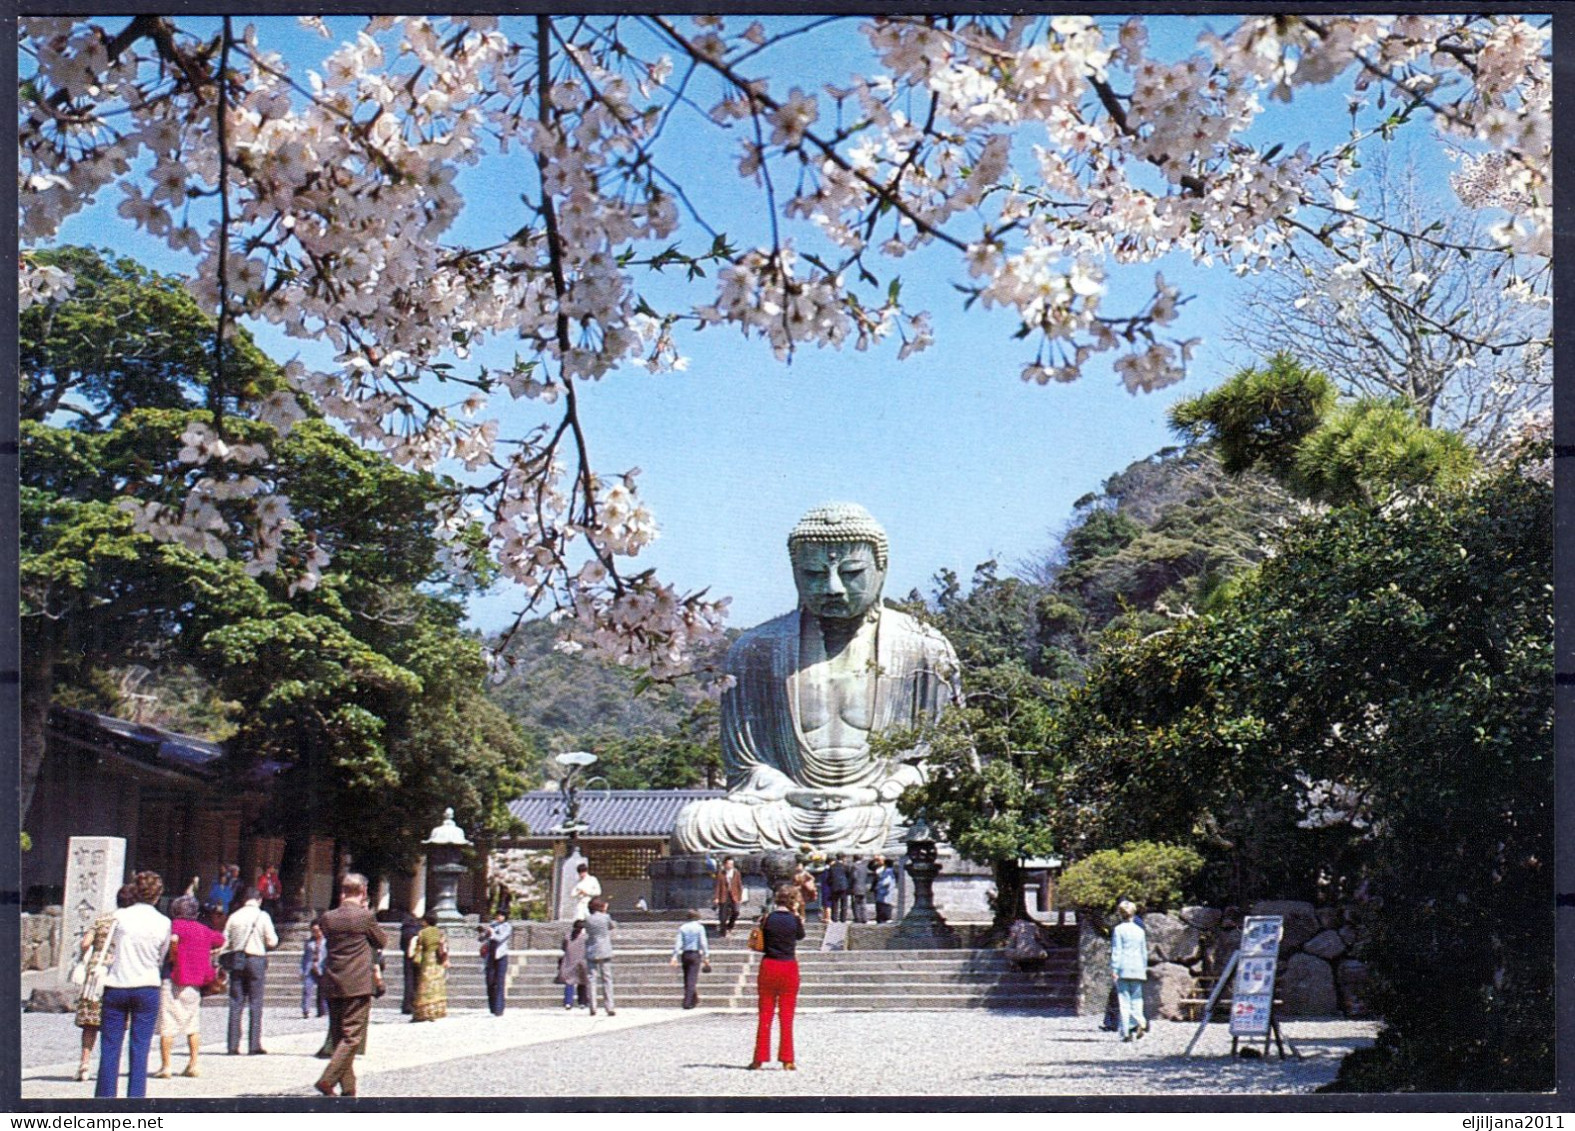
[
  {"x": 568, "y": 874},
  {"x": 688, "y": 880},
  {"x": 95, "y": 869}
]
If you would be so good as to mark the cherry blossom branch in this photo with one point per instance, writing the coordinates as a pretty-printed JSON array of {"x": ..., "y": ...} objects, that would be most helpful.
[{"x": 826, "y": 149}]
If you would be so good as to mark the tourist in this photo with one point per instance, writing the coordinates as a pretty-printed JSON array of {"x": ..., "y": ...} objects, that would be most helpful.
[
  {"x": 313, "y": 955},
  {"x": 805, "y": 884},
  {"x": 885, "y": 889},
  {"x": 728, "y": 894},
  {"x": 573, "y": 972},
  {"x": 180, "y": 1014},
  {"x": 429, "y": 951},
  {"x": 859, "y": 877},
  {"x": 778, "y": 980},
  {"x": 131, "y": 988},
  {"x": 221, "y": 893},
  {"x": 248, "y": 937},
  {"x": 350, "y": 979},
  {"x": 495, "y": 953},
  {"x": 1129, "y": 969},
  {"x": 823, "y": 882},
  {"x": 271, "y": 891},
  {"x": 599, "y": 927},
  {"x": 840, "y": 882},
  {"x": 409, "y": 927},
  {"x": 692, "y": 950},
  {"x": 98, "y": 949},
  {"x": 586, "y": 888}
]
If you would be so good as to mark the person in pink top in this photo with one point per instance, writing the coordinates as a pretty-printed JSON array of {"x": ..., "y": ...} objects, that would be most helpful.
[{"x": 191, "y": 967}]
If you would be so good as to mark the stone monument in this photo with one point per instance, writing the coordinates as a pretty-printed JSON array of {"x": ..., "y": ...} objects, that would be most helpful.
[
  {"x": 810, "y": 689},
  {"x": 95, "y": 869}
]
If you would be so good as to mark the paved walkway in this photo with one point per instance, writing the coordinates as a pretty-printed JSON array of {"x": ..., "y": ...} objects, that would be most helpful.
[{"x": 668, "y": 1052}]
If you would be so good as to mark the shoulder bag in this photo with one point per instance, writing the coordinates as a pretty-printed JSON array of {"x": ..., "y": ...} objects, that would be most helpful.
[
  {"x": 235, "y": 960},
  {"x": 757, "y": 936},
  {"x": 98, "y": 968}
]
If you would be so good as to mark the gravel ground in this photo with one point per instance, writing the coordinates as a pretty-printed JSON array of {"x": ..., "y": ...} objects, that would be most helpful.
[
  {"x": 1023, "y": 1054},
  {"x": 705, "y": 1053}
]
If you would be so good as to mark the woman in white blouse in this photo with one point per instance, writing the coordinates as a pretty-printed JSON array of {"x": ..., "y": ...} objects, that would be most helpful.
[{"x": 131, "y": 988}]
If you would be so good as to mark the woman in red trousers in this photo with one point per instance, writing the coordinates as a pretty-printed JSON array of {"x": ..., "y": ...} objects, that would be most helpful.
[{"x": 783, "y": 928}]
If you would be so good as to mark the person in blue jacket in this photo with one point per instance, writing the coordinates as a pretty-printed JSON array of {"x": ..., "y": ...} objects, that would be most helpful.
[{"x": 1129, "y": 969}]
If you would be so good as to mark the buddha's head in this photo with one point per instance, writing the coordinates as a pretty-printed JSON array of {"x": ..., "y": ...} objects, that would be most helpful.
[{"x": 839, "y": 561}]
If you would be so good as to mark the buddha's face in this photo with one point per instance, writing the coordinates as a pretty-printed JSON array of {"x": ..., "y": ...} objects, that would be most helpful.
[{"x": 837, "y": 579}]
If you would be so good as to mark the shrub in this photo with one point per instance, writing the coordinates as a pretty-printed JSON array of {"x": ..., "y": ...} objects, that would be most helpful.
[{"x": 1151, "y": 875}]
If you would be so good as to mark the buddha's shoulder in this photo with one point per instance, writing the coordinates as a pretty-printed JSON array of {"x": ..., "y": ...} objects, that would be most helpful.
[
  {"x": 763, "y": 637},
  {"x": 768, "y": 631},
  {"x": 904, "y": 624}
]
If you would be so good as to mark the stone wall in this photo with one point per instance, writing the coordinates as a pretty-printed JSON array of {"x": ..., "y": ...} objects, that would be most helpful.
[
  {"x": 41, "y": 939},
  {"x": 1318, "y": 974}
]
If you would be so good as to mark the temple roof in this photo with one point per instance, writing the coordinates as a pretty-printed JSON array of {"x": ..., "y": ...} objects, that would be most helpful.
[{"x": 609, "y": 812}]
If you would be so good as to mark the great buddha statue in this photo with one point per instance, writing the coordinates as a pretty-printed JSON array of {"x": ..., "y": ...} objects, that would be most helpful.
[{"x": 812, "y": 687}]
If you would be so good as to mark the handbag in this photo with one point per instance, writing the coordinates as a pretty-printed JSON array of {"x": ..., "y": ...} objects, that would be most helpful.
[
  {"x": 96, "y": 968},
  {"x": 235, "y": 960},
  {"x": 218, "y": 984},
  {"x": 79, "y": 972},
  {"x": 757, "y": 936}
]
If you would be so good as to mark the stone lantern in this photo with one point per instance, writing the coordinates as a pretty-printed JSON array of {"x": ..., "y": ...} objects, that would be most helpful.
[
  {"x": 922, "y": 926},
  {"x": 444, "y": 848}
]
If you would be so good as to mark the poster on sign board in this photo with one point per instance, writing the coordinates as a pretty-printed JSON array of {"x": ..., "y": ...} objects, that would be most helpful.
[{"x": 1252, "y": 994}]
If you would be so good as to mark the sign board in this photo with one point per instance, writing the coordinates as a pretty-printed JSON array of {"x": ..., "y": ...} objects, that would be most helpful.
[{"x": 1253, "y": 992}]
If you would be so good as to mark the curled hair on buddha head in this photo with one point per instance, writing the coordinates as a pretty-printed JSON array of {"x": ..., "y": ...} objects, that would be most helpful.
[
  {"x": 837, "y": 523},
  {"x": 149, "y": 885}
]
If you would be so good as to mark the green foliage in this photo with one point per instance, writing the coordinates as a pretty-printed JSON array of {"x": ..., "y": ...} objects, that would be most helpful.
[
  {"x": 991, "y": 766},
  {"x": 1154, "y": 876},
  {"x": 689, "y": 756},
  {"x": 657, "y": 737},
  {"x": 364, "y": 694},
  {"x": 1258, "y": 417},
  {"x": 125, "y": 338},
  {"x": 1368, "y": 715},
  {"x": 1283, "y": 421},
  {"x": 1371, "y": 449}
]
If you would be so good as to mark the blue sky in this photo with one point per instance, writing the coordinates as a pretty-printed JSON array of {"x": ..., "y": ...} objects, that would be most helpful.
[{"x": 958, "y": 458}]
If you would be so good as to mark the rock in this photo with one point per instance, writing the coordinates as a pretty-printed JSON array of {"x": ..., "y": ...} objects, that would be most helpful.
[
  {"x": 1301, "y": 921},
  {"x": 49, "y": 1001},
  {"x": 1203, "y": 918},
  {"x": 1023, "y": 947},
  {"x": 1351, "y": 979},
  {"x": 1169, "y": 939},
  {"x": 1168, "y": 985},
  {"x": 1093, "y": 963},
  {"x": 1221, "y": 947},
  {"x": 1330, "y": 918},
  {"x": 1327, "y": 945},
  {"x": 1306, "y": 985},
  {"x": 1348, "y": 936}
]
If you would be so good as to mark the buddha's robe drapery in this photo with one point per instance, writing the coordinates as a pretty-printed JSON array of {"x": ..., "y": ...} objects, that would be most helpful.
[{"x": 914, "y": 678}]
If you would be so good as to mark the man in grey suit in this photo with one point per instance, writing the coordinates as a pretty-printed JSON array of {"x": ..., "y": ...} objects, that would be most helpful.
[
  {"x": 599, "y": 927},
  {"x": 860, "y": 878},
  {"x": 351, "y": 934}
]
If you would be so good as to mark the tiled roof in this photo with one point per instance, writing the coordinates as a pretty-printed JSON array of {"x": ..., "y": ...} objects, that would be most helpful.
[
  {"x": 609, "y": 812},
  {"x": 164, "y": 749}
]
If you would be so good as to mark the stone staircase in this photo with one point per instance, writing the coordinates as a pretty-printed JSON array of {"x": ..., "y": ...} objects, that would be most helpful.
[{"x": 867, "y": 976}]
